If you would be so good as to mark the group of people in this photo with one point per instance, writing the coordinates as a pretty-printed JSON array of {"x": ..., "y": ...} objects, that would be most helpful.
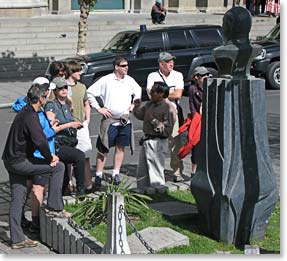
[
  {"x": 49, "y": 137},
  {"x": 270, "y": 7}
]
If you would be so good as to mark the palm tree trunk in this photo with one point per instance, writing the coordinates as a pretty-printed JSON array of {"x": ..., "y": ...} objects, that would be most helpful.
[{"x": 83, "y": 27}]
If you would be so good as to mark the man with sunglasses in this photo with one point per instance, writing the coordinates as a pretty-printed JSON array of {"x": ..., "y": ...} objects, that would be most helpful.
[
  {"x": 116, "y": 92},
  {"x": 174, "y": 80}
]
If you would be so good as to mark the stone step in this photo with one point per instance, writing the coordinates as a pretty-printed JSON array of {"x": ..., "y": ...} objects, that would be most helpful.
[{"x": 158, "y": 238}]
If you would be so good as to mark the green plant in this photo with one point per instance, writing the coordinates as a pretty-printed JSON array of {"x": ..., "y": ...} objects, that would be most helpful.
[{"x": 94, "y": 210}]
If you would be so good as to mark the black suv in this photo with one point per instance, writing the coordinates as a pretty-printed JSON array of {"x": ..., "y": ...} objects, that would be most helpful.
[
  {"x": 192, "y": 46},
  {"x": 267, "y": 64}
]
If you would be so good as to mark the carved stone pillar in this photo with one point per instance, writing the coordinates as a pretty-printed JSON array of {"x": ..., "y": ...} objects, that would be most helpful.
[{"x": 234, "y": 185}]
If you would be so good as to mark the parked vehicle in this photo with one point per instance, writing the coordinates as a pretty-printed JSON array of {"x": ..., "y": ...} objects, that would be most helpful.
[
  {"x": 192, "y": 46},
  {"x": 267, "y": 64}
]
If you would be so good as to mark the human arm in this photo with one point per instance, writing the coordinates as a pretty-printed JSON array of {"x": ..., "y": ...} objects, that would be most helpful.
[{"x": 87, "y": 109}]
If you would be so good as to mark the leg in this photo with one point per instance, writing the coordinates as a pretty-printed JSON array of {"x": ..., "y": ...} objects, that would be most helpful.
[
  {"x": 101, "y": 161},
  {"x": 36, "y": 202},
  {"x": 174, "y": 145},
  {"x": 118, "y": 157},
  {"x": 88, "y": 176},
  {"x": 76, "y": 157},
  {"x": 155, "y": 151},
  {"x": 18, "y": 197}
]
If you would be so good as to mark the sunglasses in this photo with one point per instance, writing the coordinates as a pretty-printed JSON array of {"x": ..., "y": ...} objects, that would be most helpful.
[
  {"x": 64, "y": 87},
  {"x": 123, "y": 65}
]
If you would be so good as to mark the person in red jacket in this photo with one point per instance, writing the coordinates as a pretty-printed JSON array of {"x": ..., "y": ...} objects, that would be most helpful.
[{"x": 195, "y": 101}]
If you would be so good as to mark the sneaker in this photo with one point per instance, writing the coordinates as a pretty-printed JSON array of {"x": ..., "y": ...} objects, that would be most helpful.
[
  {"x": 34, "y": 228},
  {"x": 98, "y": 183},
  {"x": 178, "y": 179},
  {"x": 59, "y": 214},
  {"x": 24, "y": 243},
  {"x": 116, "y": 180}
]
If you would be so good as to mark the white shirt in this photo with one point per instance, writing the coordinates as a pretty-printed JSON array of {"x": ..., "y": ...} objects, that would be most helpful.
[
  {"x": 174, "y": 81},
  {"x": 115, "y": 93}
]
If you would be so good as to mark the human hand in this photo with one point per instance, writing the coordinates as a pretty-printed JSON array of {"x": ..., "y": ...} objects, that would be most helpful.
[
  {"x": 55, "y": 160},
  {"x": 105, "y": 112},
  {"x": 76, "y": 124},
  {"x": 137, "y": 102}
]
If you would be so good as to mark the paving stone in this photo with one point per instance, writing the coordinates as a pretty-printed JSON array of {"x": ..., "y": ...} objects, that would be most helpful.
[
  {"x": 161, "y": 189},
  {"x": 171, "y": 186},
  {"x": 158, "y": 238},
  {"x": 174, "y": 209}
]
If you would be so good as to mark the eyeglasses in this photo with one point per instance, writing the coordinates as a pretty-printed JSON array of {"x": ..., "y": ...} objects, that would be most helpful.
[
  {"x": 61, "y": 88},
  {"x": 123, "y": 65}
]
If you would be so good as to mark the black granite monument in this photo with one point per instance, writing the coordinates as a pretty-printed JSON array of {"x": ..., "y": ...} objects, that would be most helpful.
[{"x": 234, "y": 186}]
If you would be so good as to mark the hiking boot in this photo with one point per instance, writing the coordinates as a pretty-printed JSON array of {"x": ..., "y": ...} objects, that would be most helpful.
[
  {"x": 98, "y": 183},
  {"x": 24, "y": 243},
  {"x": 178, "y": 179},
  {"x": 116, "y": 180},
  {"x": 57, "y": 213}
]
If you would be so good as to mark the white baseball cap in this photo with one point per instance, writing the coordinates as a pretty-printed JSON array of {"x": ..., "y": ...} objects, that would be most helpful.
[{"x": 44, "y": 83}]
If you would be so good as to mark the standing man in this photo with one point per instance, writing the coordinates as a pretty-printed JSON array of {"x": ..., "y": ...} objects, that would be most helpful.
[
  {"x": 24, "y": 137},
  {"x": 82, "y": 112},
  {"x": 116, "y": 90},
  {"x": 158, "y": 116},
  {"x": 175, "y": 82}
]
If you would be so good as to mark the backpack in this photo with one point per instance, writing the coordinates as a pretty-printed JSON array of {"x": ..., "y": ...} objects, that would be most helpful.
[{"x": 19, "y": 104}]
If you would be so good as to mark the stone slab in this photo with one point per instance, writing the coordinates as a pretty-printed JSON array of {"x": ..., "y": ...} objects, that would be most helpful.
[
  {"x": 157, "y": 238},
  {"x": 175, "y": 209}
]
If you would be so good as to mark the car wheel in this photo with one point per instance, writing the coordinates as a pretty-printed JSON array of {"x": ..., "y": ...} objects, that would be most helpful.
[
  {"x": 273, "y": 75},
  {"x": 213, "y": 71}
]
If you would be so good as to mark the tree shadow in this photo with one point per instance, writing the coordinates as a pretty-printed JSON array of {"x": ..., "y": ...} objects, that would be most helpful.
[{"x": 14, "y": 69}]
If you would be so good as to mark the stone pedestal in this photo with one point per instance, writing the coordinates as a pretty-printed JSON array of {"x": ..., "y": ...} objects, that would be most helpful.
[{"x": 234, "y": 186}]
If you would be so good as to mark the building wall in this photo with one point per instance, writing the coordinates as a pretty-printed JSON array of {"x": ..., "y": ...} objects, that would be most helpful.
[{"x": 27, "y": 8}]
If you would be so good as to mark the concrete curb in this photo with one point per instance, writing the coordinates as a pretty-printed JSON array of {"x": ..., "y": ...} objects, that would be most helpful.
[
  {"x": 61, "y": 237},
  {"x": 5, "y": 105}
]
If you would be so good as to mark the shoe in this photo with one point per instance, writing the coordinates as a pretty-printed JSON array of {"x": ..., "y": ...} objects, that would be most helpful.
[
  {"x": 59, "y": 214},
  {"x": 178, "y": 179},
  {"x": 81, "y": 193},
  {"x": 91, "y": 190},
  {"x": 34, "y": 228},
  {"x": 98, "y": 183},
  {"x": 24, "y": 243},
  {"x": 116, "y": 180}
]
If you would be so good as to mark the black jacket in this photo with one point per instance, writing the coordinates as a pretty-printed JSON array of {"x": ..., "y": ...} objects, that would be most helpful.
[{"x": 24, "y": 137}]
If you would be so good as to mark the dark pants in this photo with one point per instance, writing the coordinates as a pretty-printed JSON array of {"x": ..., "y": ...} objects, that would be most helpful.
[
  {"x": 18, "y": 175},
  {"x": 157, "y": 17},
  {"x": 70, "y": 155}
]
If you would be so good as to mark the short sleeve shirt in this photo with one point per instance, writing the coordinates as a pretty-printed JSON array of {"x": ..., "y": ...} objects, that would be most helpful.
[{"x": 62, "y": 111}]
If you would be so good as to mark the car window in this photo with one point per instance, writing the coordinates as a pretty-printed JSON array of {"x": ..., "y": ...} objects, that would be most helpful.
[
  {"x": 152, "y": 42},
  {"x": 177, "y": 40},
  {"x": 274, "y": 34},
  {"x": 207, "y": 37},
  {"x": 123, "y": 41}
]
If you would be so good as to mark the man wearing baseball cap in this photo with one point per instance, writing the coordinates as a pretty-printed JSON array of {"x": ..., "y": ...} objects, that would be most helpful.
[{"x": 174, "y": 80}]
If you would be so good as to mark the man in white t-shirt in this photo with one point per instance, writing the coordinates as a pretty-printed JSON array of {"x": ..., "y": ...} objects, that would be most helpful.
[
  {"x": 174, "y": 80},
  {"x": 115, "y": 91}
]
